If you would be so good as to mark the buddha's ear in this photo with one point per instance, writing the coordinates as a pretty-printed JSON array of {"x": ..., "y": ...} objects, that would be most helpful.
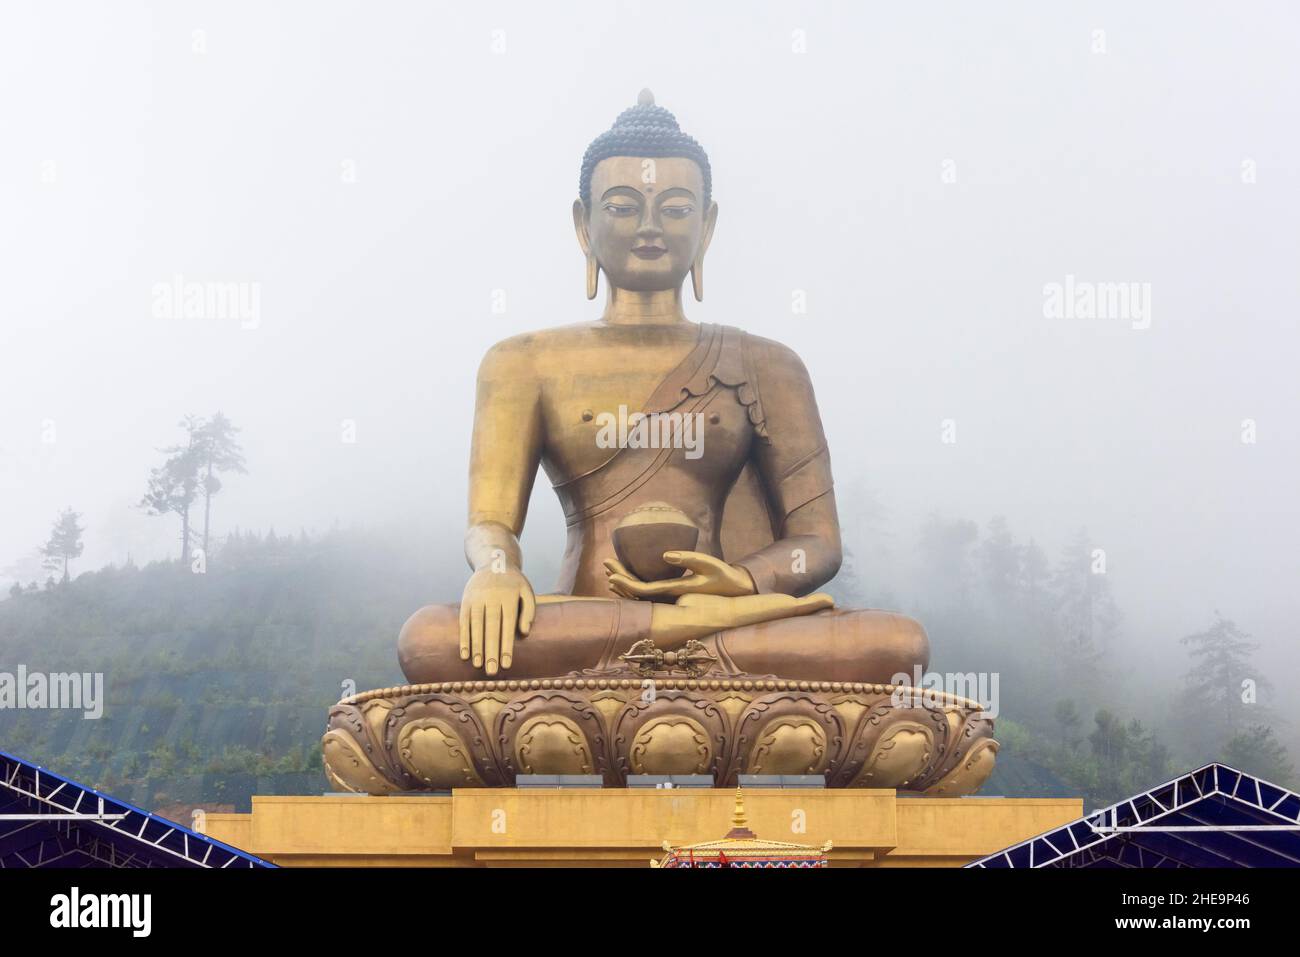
[
  {"x": 710, "y": 220},
  {"x": 697, "y": 268},
  {"x": 584, "y": 241},
  {"x": 580, "y": 226}
]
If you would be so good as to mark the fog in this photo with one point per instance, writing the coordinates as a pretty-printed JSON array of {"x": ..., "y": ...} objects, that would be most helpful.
[{"x": 396, "y": 180}]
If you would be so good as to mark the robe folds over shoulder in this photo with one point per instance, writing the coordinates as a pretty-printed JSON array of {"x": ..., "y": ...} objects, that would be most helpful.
[{"x": 761, "y": 458}]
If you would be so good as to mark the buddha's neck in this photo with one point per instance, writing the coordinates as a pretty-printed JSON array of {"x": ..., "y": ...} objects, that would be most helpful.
[{"x": 661, "y": 308}]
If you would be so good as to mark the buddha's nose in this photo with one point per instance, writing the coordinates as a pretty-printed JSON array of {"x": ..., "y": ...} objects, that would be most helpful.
[{"x": 649, "y": 227}]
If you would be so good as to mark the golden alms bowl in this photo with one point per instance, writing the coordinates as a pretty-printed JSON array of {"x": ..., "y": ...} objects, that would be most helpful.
[{"x": 645, "y": 533}]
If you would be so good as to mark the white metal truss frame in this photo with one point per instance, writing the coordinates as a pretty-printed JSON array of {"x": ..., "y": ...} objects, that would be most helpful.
[
  {"x": 1143, "y": 812},
  {"x": 25, "y": 781}
]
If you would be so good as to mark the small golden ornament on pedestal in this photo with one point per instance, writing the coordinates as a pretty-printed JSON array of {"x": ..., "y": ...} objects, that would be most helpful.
[{"x": 741, "y": 847}]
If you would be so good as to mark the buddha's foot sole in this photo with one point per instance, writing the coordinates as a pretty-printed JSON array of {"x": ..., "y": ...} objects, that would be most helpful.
[{"x": 461, "y": 734}]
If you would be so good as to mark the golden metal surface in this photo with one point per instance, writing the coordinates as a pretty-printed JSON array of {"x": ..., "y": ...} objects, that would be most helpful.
[
  {"x": 438, "y": 736},
  {"x": 741, "y": 847},
  {"x": 495, "y": 827}
]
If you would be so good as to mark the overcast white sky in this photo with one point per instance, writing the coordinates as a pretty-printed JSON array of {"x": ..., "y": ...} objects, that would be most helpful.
[{"x": 136, "y": 149}]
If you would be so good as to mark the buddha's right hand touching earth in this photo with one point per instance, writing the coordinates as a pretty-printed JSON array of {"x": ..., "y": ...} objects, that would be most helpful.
[{"x": 495, "y": 606}]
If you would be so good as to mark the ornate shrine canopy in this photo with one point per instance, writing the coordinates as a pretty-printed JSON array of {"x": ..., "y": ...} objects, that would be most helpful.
[
  {"x": 741, "y": 847},
  {"x": 1214, "y": 816},
  {"x": 47, "y": 820}
]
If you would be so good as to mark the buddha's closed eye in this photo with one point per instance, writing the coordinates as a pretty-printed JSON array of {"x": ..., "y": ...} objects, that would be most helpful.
[
  {"x": 678, "y": 212},
  {"x": 620, "y": 209}
]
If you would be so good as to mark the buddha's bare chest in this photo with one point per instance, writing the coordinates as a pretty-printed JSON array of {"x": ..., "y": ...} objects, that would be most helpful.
[{"x": 595, "y": 406}]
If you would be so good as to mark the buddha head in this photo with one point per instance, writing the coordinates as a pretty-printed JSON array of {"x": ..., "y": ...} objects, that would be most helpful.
[{"x": 645, "y": 211}]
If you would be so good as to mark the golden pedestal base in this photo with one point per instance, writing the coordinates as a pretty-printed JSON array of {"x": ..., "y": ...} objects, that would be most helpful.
[
  {"x": 627, "y": 827},
  {"x": 475, "y": 734}
]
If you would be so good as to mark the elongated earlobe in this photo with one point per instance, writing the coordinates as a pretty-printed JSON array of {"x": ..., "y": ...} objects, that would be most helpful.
[
  {"x": 697, "y": 269},
  {"x": 584, "y": 241}
]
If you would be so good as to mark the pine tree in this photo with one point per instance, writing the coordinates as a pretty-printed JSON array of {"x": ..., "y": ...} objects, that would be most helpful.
[
  {"x": 218, "y": 453},
  {"x": 1216, "y": 687},
  {"x": 1256, "y": 750},
  {"x": 1068, "y": 719},
  {"x": 174, "y": 485},
  {"x": 1109, "y": 739},
  {"x": 1148, "y": 759},
  {"x": 1109, "y": 743},
  {"x": 65, "y": 542},
  {"x": 1000, "y": 558},
  {"x": 1034, "y": 587},
  {"x": 1087, "y": 616}
]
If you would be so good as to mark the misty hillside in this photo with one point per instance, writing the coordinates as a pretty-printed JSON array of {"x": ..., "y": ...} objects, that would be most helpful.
[{"x": 217, "y": 684}]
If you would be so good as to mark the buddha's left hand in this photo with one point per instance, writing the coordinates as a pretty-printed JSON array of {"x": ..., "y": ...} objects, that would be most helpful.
[{"x": 705, "y": 575}]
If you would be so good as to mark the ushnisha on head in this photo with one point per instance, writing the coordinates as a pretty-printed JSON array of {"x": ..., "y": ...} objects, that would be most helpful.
[{"x": 645, "y": 211}]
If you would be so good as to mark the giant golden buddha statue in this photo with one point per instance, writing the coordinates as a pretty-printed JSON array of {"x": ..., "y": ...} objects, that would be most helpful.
[
  {"x": 695, "y": 478},
  {"x": 759, "y": 490}
]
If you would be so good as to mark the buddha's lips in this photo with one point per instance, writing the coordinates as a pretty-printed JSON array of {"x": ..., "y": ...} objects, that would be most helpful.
[{"x": 648, "y": 252}]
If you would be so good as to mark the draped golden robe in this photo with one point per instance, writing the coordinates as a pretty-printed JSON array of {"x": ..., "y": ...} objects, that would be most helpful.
[
  {"x": 764, "y": 457},
  {"x": 761, "y": 494}
]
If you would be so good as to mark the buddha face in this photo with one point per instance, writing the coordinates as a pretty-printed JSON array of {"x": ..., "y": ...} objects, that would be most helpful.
[{"x": 646, "y": 223}]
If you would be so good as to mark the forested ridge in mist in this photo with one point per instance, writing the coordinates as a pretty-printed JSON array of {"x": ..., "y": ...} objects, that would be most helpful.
[
  {"x": 218, "y": 684},
  {"x": 1082, "y": 711}
]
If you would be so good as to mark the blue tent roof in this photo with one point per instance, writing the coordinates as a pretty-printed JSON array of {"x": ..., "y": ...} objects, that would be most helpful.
[
  {"x": 47, "y": 820},
  {"x": 1214, "y": 816}
]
